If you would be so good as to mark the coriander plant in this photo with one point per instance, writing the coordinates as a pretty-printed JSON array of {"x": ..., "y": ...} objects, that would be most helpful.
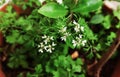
[{"x": 45, "y": 39}]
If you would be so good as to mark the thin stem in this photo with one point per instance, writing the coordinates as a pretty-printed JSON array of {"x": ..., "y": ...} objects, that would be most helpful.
[{"x": 107, "y": 55}]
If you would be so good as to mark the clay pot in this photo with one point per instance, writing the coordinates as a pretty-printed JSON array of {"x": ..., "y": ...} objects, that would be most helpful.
[
  {"x": 17, "y": 8},
  {"x": 1, "y": 39},
  {"x": 2, "y": 74},
  {"x": 116, "y": 72}
]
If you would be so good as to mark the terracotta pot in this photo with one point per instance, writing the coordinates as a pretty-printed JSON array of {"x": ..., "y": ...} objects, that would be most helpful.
[
  {"x": 116, "y": 72},
  {"x": 17, "y": 8},
  {"x": 3, "y": 7},
  {"x": 1, "y": 39},
  {"x": 2, "y": 74}
]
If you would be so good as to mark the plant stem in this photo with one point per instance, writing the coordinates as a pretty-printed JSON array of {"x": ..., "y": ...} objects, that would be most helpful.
[
  {"x": 107, "y": 55},
  {"x": 112, "y": 49}
]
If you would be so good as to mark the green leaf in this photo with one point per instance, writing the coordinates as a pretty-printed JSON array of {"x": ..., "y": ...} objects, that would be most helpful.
[
  {"x": 76, "y": 68},
  {"x": 117, "y": 14},
  {"x": 65, "y": 51},
  {"x": 20, "y": 40},
  {"x": 13, "y": 37},
  {"x": 118, "y": 25},
  {"x": 96, "y": 19},
  {"x": 86, "y": 6},
  {"x": 107, "y": 22},
  {"x": 87, "y": 32},
  {"x": 23, "y": 63},
  {"x": 79, "y": 61},
  {"x": 111, "y": 37},
  {"x": 38, "y": 68},
  {"x": 60, "y": 72},
  {"x": 53, "y": 10}
]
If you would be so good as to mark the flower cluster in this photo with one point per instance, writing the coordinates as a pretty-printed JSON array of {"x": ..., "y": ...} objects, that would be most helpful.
[
  {"x": 77, "y": 27},
  {"x": 65, "y": 34},
  {"x": 47, "y": 44},
  {"x": 79, "y": 39}
]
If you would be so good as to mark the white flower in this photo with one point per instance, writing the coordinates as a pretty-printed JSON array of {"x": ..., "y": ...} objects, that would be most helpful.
[
  {"x": 41, "y": 1},
  {"x": 53, "y": 44},
  {"x": 44, "y": 36},
  {"x": 47, "y": 38},
  {"x": 80, "y": 35},
  {"x": 82, "y": 28},
  {"x": 59, "y": 1},
  {"x": 40, "y": 50},
  {"x": 65, "y": 35},
  {"x": 77, "y": 28},
  {"x": 84, "y": 42},
  {"x": 74, "y": 43},
  {"x": 50, "y": 48},
  {"x": 41, "y": 47},
  {"x": 74, "y": 22},
  {"x": 63, "y": 38},
  {"x": 51, "y": 38},
  {"x": 63, "y": 30}
]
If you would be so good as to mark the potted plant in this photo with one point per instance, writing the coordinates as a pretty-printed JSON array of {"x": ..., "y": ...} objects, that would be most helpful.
[{"x": 55, "y": 38}]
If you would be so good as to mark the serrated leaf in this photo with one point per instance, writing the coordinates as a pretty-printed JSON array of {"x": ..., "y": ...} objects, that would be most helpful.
[
  {"x": 53, "y": 10},
  {"x": 107, "y": 22},
  {"x": 76, "y": 68},
  {"x": 60, "y": 72},
  {"x": 13, "y": 37},
  {"x": 38, "y": 68},
  {"x": 79, "y": 61}
]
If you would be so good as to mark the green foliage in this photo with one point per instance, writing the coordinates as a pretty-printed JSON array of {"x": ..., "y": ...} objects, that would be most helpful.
[
  {"x": 53, "y": 10},
  {"x": 46, "y": 38},
  {"x": 86, "y": 6},
  {"x": 65, "y": 66},
  {"x": 107, "y": 23},
  {"x": 96, "y": 19},
  {"x": 17, "y": 59}
]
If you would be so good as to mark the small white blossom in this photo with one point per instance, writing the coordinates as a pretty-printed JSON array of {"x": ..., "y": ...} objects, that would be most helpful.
[
  {"x": 65, "y": 35},
  {"x": 41, "y": 47},
  {"x": 47, "y": 44},
  {"x": 77, "y": 28},
  {"x": 51, "y": 38},
  {"x": 47, "y": 38},
  {"x": 44, "y": 36},
  {"x": 80, "y": 35},
  {"x": 84, "y": 42},
  {"x": 53, "y": 44},
  {"x": 63, "y": 30},
  {"x": 63, "y": 38},
  {"x": 41, "y": 1},
  {"x": 74, "y": 22},
  {"x": 74, "y": 43},
  {"x": 59, "y": 1},
  {"x": 82, "y": 28},
  {"x": 50, "y": 48},
  {"x": 40, "y": 50}
]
